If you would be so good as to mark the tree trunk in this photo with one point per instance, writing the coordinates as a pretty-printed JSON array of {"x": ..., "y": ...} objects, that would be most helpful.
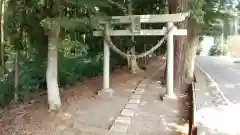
[
  {"x": 132, "y": 62},
  {"x": 178, "y": 58},
  {"x": 178, "y": 6},
  {"x": 3, "y": 2},
  {"x": 16, "y": 81},
  {"x": 190, "y": 51},
  {"x": 54, "y": 100},
  {"x": 134, "y": 66},
  {"x": 190, "y": 58}
]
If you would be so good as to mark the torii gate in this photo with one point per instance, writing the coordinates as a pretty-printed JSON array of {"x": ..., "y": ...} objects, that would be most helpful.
[{"x": 136, "y": 21}]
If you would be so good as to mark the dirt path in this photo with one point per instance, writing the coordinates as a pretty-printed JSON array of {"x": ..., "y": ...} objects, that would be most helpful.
[
  {"x": 34, "y": 119},
  {"x": 81, "y": 107}
]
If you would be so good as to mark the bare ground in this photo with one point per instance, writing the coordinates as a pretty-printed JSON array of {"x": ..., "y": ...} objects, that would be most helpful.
[
  {"x": 34, "y": 119},
  {"x": 81, "y": 104}
]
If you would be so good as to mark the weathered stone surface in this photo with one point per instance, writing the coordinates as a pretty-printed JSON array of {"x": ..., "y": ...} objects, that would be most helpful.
[
  {"x": 140, "y": 89},
  {"x": 106, "y": 93},
  {"x": 119, "y": 128},
  {"x": 142, "y": 85},
  {"x": 131, "y": 106},
  {"x": 134, "y": 101},
  {"x": 139, "y": 92},
  {"x": 136, "y": 96},
  {"x": 122, "y": 120},
  {"x": 127, "y": 112}
]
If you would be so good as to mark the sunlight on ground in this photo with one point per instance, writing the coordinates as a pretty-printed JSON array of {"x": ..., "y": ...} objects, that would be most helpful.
[
  {"x": 183, "y": 129},
  {"x": 231, "y": 86},
  {"x": 223, "y": 119}
]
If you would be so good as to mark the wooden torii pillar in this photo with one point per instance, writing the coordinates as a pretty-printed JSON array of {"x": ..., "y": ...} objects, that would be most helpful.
[{"x": 136, "y": 21}]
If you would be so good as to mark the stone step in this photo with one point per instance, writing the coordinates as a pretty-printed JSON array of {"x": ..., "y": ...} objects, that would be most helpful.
[
  {"x": 134, "y": 101},
  {"x": 131, "y": 106},
  {"x": 120, "y": 128},
  {"x": 127, "y": 112},
  {"x": 140, "y": 89},
  {"x": 122, "y": 120},
  {"x": 136, "y": 96},
  {"x": 139, "y": 92}
]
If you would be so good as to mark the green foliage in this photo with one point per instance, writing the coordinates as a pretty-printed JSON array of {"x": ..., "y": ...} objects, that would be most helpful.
[
  {"x": 23, "y": 31},
  {"x": 6, "y": 93},
  {"x": 73, "y": 69},
  {"x": 83, "y": 3},
  {"x": 197, "y": 11},
  {"x": 211, "y": 15},
  {"x": 32, "y": 75},
  {"x": 70, "y": 48},
  {"x": 217, "y": 50}
]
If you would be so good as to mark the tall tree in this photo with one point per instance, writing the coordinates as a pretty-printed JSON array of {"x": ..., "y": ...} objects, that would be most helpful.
[
  {"x": 3, "y": 8},
  {"x": 54, "y": 20},
  {"x": 132, "y": 61},
  {"x": 203, "y": 20},
  {"x": 178, "y": 6}
]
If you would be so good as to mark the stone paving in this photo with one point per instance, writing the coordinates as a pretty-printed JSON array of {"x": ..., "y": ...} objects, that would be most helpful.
[
  {"x": 122, "y": 122},
  {"x": 154, "y": 116},
  {"x": 133, "y": 111}
]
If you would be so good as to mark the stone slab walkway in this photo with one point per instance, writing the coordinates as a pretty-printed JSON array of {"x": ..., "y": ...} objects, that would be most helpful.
[
  {"x": 131, "y": 111},
  {"x": 155, "y": 117}
]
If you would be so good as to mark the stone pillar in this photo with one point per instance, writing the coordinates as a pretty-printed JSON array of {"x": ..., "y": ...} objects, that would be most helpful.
[
  {"x": 106, "y": 91},
  {"x": 170, "y": 63}
]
